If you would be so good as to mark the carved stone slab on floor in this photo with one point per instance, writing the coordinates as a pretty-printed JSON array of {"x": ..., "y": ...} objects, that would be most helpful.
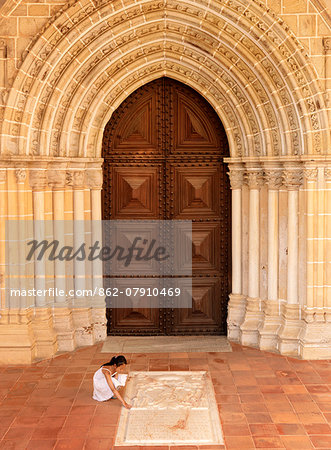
[{"x": 169, "y": 408}]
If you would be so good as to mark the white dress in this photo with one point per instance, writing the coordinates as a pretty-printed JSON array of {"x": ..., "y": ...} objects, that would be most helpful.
[{"x": 101, "y": 389}]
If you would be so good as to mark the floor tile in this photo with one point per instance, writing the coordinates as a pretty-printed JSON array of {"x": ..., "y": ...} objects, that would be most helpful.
[
  {"x": 18, "y": 432},
  {"x": 69, "y": 444},
  {"x": 68, "y": 432},
  {"x": 235, "y": 430},
  {"x": 311, "y": 417},
  {"x": 265, "y": 429},
  {"x": 46, "y": 432},
  {"x": 284, "y": 417},
  {"x": 258, "y": 418},
  {"x": 290, "y": 429},
  {"x": 102, "y": 431},
  {"x": 321, "y": 441},
  {"x": 318, "y": 428},
  {"x": 44, "y": 444},
  {"x": 98, "y": 444},
  {"x": 239, "y": 442},
  {"x": 296, "y": 442},
  {"x": 267, "y": 442}
]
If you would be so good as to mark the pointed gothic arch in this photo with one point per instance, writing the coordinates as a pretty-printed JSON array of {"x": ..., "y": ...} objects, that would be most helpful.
[{"x": 91, "y": 56}]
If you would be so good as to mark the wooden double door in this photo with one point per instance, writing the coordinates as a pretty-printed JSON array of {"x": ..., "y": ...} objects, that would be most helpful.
[{"x": 163, "y": 153}]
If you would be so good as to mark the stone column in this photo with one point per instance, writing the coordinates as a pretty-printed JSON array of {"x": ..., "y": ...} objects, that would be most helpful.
[
  {"x": 291, "y": 327},
  {"x": 94, "y": 181},
  {"x": 37, "y": 179},
  {"x": 79, "y": 229},
  {"x": 42, "y": 322},
  {"x": 3, "y": 176},
  {"x": 17, "y": 342},
  {"x": 327, "y": 295},
  {"x": 315, "y": 339},
  {"x": 253, "y": 317},
  {"x": 237, "y": 302},
  {"x": 82, "y": 311},
  {"x": 310, "y": 177},
  {"x": 271, "y": 324},
  {"x": 62, "y": 314},
  {"x": 327, "y": 50},
  {"x": 20, "y": 179}
]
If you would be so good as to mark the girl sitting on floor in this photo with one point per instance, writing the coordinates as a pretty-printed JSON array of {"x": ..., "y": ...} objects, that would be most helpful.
[{"x": 109, "y": 379}]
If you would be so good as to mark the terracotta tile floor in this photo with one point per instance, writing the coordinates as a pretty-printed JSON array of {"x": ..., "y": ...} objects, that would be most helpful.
[{"x": 265, "y": 401}]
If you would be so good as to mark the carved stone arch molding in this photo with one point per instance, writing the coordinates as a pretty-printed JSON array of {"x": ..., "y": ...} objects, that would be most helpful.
[{"x": 93, "y": 54}]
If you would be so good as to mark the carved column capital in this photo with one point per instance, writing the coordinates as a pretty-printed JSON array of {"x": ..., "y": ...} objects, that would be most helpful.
[
  {"x": 78, "y": 179},
  {"x": 292, "y": 178},
  {"x": 236, "y": 178},
  {"x": 3, "y": 174},
  {"x": 56, "y": 178},
  {"x": 254, "y": 179},
  {"x": 20, "y": 175},
  {"x": 37, "y": 179},
  {"x": 68, "y": 178},
  {"x": 273, "y": 178},
  {"x": 94, "y": 178},
  {"x": 310, "y": 173},
  {"x": 327, "y": 173}
]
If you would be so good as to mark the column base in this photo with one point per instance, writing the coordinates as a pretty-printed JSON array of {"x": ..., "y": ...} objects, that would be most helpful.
[
  {"x": 271, "y": 325},
  {"x": 42, "y": 325},
  {"x": 252, "y": 322},
  {"x": 83, "y": 325},
  {"x": 315, "y": 338},
  {"x": 99, "y": 323},
  {"x": 17, "y": 341},
  {"x": 236, "y": 314},
  {"x": 290, "y": 330},
  {"x": 64, "y": 328}
]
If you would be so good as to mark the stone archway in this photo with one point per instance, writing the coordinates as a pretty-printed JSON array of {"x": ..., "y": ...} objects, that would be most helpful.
[
  {"x": 257, "y": 77},
  {"x": 243, "y": 61}
]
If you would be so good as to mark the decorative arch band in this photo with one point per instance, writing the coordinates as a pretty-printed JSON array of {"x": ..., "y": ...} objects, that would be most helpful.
[{"x": 92, "y": 55}]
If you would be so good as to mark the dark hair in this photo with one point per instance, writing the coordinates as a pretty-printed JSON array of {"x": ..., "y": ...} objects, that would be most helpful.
[{"x": 116, "y": 360}]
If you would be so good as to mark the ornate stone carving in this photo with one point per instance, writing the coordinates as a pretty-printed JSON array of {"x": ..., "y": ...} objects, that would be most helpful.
[
  {"x": 3, "y": 174},
  {"x": 236, "y": 178},
  {"x": 310, "y": 173},
  {"x": 3, "y": 65},
  {"x": 94, "y": 178},
  {"x": 69, "y": 179},
  {"x": 56, "y": 178},
  {"x": 327, "y": 173},
  {"x": 292, "y": 178},
  {"x": 20, "y": 175},
  {"x": 37, "y": 179},
  {"x": 219, "y": 55},
  {"x": 254, "y": 179},
  {"x": 273, "y": 178},
  {"x": 78, "y": 178}
]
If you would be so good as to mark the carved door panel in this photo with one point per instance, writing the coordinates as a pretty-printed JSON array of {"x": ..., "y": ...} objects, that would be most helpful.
[{"x": 163, "y": 152}]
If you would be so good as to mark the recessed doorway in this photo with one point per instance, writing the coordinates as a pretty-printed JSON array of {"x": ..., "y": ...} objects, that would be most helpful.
[{"x": 163, "y": 153}]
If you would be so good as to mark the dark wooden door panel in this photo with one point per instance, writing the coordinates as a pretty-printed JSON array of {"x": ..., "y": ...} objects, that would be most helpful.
[
  {"x": 136, "y": 192},
  {"x": 205, "y": 248},
  {"x": 163, "y": 151},
  {"x": 193, "y": 191},
  {"x": 133, "y": 312},
  {"x": 205, "y": 314}
]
